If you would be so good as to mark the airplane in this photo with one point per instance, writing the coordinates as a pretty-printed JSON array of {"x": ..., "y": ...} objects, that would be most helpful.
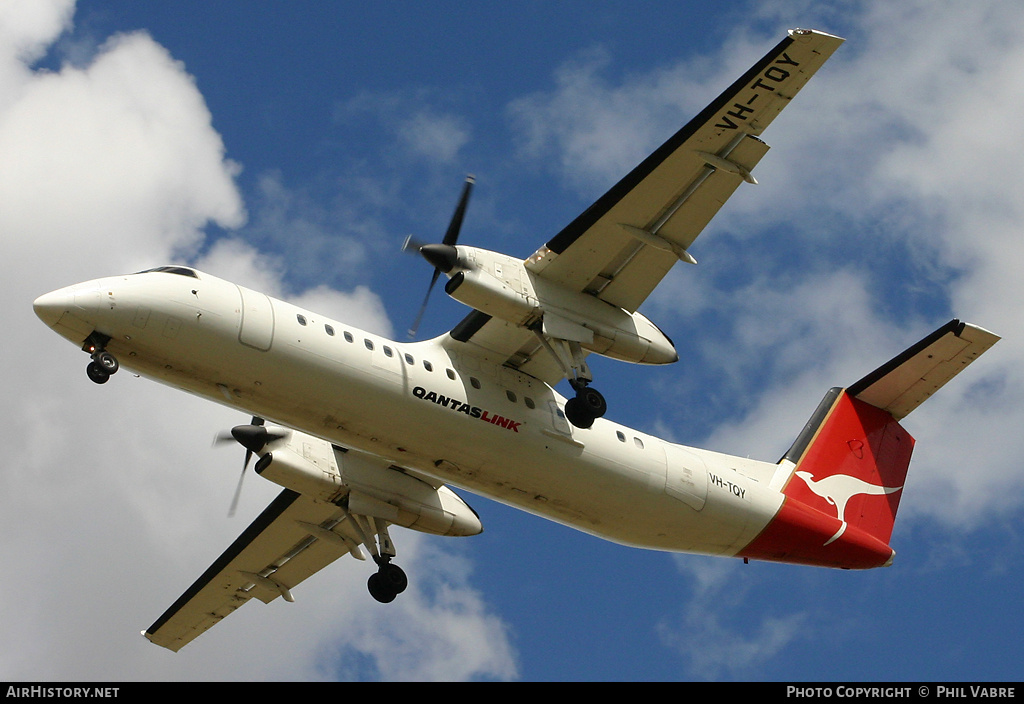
[{"x": 365, "y": 433}]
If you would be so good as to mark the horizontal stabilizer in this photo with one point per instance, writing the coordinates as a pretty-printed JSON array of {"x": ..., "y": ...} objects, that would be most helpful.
[{"x": 906, "y": 381}]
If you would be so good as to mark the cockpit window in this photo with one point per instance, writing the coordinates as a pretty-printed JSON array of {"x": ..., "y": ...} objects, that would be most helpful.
[{"x": 179, "y": 270}]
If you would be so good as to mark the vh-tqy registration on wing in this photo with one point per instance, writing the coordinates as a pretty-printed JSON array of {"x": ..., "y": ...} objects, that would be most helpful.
[{"x": 365, "y": 433}]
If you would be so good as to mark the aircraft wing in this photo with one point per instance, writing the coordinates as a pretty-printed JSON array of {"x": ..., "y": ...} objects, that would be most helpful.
[
  {"x": 621, "y": 247},
  {"x": 284, "y": 545}
]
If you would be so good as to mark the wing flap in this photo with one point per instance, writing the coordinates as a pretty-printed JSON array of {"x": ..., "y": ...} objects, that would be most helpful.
[
  {"x": 274, "y": 554},
  {"x": 906, "y": 381}
]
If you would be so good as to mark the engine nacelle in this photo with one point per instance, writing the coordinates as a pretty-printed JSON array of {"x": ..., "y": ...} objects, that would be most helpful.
[
  {"x": 502, "y": 287},
  {"x": 479, "y": 290},
  {"x": 285, "y": 467}
]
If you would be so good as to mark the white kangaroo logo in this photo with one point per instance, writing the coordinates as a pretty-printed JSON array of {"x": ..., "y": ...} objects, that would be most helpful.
[{"x": 838, "y": 489}]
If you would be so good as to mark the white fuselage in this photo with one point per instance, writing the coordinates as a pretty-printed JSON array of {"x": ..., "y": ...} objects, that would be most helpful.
[{"x": 422, "y": 406}]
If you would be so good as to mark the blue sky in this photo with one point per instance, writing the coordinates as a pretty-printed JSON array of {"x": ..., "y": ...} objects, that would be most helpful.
[{"x": 293, "y": 146}]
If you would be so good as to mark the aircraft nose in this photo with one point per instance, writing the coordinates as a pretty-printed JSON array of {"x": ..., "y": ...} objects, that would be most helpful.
[{"x": 51, "y": 307}]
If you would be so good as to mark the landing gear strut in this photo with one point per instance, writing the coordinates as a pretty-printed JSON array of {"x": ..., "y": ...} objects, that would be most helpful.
[
  {"x": 389, "y": 580},
  {"x": 588, "y": 405},
  {"x": 103, "y": 363}
]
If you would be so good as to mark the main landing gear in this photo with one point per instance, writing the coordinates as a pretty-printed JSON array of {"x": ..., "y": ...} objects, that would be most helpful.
[
  {"x": 389, "y": 580},
  {"x": 587, "y": 406},
  {"x": 103, "y": 363}
]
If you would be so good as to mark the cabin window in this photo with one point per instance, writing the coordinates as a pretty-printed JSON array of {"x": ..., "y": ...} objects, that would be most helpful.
[
  {"x": 428, "y": 366},
  {"x": 301, "y": 318},
  {"x": 474, "y": 382},
  {"x": 638, "y": 442},
  {"x": 388, "y": 352},
  {"x": 329, "y": 329},
  {"x": 620, "y": 435},
  {"x": 511, "y": 396},
  {"x": 408, "y": 359},
  {"x": 529, "y": 402},
  {"x": 450, "y": 373},
  {"x": 368, "y": 343},
  {"x": 348, "y": 337}
]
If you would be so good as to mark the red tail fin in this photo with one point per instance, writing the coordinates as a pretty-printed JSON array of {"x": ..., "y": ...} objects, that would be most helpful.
[
  {"x": 841, "y": 499},
  {"x": 855, "y": 466}
]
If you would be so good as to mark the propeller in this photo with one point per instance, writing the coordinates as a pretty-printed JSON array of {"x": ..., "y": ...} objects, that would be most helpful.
[
  {"x": 444, "y": 255},
  {"x": 253, "y": 437}
]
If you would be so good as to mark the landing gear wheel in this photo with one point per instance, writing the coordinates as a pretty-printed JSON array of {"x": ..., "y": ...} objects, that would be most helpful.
[
  {"x": 387, "y": 582},
  {"x": 585, "y": 407},
  {"x": 592, "y": 401},
  {"x": 394, "y": 576},
  {"x": 97, "y": 373},
  {"x": 106, "y": 361},
  {"x": 379, "y": 590},
  {"x": 576, "y": 413}
]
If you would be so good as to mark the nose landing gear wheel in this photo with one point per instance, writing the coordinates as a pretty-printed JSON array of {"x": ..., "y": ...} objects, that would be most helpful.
[
  {"x": 97, "y": 373},
  {"x": 103, "y": 363},
  {"x": 106, "y": 361}
]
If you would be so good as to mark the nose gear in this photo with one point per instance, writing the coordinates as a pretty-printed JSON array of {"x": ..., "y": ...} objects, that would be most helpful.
[{"x": 103, "y": 363}]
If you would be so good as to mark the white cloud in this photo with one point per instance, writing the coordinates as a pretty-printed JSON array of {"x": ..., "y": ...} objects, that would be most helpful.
[
  {"x": 707, "y": 634},
  {"x": 27, "y": 28},
  {"x": 435, "y": 137},
  {"x": 417, "y": 119}
]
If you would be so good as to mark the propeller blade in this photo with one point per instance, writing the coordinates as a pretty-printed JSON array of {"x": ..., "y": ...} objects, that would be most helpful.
[
  {"x": 423, "y": 306},
  {"x": 253, "y": 438},
  {"x": 452, "y": 236},
  {"x": 412, "y": 245},
  {"x": 443, "y": 256},
  {"x": 238, "y": 489}
]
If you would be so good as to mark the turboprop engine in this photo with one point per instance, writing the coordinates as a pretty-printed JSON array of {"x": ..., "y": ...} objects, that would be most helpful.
[
  {"x": 568, "y": 323},
  {"x": 502, "y": 287},
  {"x": 365, "y": 484}
]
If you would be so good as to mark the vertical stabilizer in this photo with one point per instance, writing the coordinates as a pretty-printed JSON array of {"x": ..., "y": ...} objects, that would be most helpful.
[{"x": 855, "y": 466}]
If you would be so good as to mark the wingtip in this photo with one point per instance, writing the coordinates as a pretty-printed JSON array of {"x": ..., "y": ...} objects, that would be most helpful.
[{"x": 801, "y": 33}]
